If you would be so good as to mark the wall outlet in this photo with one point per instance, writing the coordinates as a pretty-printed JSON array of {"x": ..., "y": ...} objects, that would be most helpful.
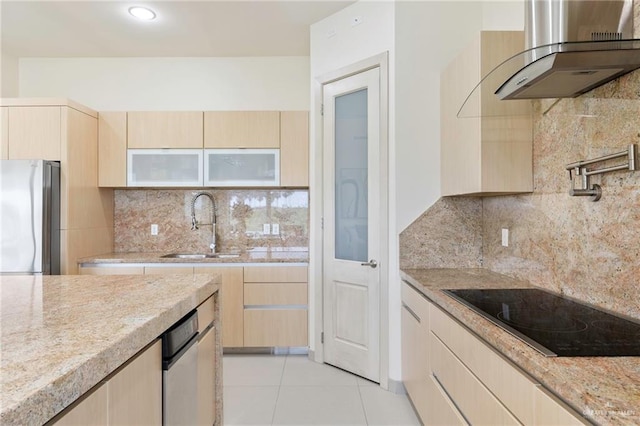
[
  {"x": 266, "y": 229},
  {"x": 154, "y": 229},
  {"x": 275, "y": 228},
  {"x": 505, "y": 237}
]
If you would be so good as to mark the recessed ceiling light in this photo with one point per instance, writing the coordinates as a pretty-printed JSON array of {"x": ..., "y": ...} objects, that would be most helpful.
[{"x": 142, "y": 13}]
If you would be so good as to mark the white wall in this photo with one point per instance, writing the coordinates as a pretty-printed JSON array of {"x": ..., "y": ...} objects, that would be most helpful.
[
  {"x": 8, "y": 76},
  {"x": 421, "y": 38},
  {"x": 116, "y": 84},
  {"x": 335, "y": 44},
  {"x": 428, "y": 36}
]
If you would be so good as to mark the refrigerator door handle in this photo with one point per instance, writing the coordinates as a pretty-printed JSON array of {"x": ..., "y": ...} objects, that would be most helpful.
[{"x": 46, "y": 220}]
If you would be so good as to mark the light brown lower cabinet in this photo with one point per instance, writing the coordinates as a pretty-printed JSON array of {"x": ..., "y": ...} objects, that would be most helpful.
[
  {"x": 90, "y": 411},
  {"x": 275, "y": 306},
  {"x": 415, "y": 362},
  {"x": 452, "y": 377},
  {"x": 231, "y": 303},
  {"x": 260, "y": 306},
  {"x": 206, "y": 364},
  {"x": 135, "y": 393},
  {"x": 131, "y": 396}
]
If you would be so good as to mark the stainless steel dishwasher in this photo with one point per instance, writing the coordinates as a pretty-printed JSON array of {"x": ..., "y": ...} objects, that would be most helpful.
[{"x": 180, "y": 372}]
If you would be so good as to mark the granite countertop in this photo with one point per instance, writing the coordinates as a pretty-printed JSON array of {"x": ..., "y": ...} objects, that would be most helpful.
[
  {"x": 61, "y": 335},
  {"x": 279, "y": 255},
  {"x": 606, "y": 390}
]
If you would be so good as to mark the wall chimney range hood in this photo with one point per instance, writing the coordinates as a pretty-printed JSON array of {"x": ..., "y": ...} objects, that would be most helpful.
[{"x": 573, "y": 46}]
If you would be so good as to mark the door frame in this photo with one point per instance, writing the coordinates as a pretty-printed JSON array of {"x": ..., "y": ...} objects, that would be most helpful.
[{"x": 316, "y": 186}]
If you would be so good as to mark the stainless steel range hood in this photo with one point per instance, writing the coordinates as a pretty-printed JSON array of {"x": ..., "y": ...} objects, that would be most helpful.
[{"x": 573, "y": 47}]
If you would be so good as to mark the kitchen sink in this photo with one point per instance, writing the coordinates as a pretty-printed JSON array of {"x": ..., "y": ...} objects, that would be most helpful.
[{"x": 200, "y": 255}]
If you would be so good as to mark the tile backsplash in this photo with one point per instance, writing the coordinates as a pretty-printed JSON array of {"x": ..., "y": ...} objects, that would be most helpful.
[
  {"x": 586, "y": 250},
  {"x": 241, "y": 216}
]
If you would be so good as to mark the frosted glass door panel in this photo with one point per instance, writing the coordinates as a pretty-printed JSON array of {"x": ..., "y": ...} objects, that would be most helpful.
[
  {"x": 164, "y": 167},
  {"x": 242, "y": 167},
  {"x": 352, "y": 223}
]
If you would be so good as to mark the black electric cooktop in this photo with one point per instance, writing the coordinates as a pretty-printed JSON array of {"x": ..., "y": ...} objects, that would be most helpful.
[{"x": 554, "y": 325}]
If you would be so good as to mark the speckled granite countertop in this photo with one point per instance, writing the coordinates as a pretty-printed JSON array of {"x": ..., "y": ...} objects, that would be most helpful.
[
  {"x": 606, "y": 390},
  {"x": 251, "y": 256},
  {"x": 61, "y": 335}
]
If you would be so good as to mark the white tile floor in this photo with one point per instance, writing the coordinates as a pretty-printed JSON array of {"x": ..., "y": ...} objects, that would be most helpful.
[{"x": 292, "y": 390}]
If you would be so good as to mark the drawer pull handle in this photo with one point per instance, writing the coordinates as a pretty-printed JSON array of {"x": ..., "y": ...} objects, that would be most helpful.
[{"x": 413, "y": 314}]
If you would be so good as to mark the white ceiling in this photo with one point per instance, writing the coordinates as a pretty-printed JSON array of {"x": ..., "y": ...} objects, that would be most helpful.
[{"x": 181, "y": 29}]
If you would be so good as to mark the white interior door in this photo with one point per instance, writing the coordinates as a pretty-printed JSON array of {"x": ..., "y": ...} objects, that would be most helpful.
[{"x": 351, "y": 234}]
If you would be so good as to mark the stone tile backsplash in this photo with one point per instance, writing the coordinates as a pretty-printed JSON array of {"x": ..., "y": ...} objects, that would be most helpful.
[
  {"x": 586, "y": 250},
  {"x": 241, "y": 216}
]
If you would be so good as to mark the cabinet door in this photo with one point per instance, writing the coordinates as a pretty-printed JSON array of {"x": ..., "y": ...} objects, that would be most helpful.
[
  {"x": 112, "y": 149},
  {"x": 294, "y": 148},
  {"x": 162, "y": 129},
  {"x": 231, "y": 304},
  {"x": 207, "y": 379},
  {"x": 35, "y": 132},
  {"x": 488, "y": 149},
  {"x": 242, "y": 129},
  {"x": 135, "y": 392},
  {"x": 90, "y": 410},
  {"x": 4, "y": 133},
  {"x": 164, "y": 167},
  {"x": 242, "y": 167}
]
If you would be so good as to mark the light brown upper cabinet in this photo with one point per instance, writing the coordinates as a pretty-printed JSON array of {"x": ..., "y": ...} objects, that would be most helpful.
[
  {"x": 65, "y": 131},
  {"x": 34, "y": 132},
  {"x": 242, "y": 129},
  {"x": 112, "y": 149},
  {"x": 488, "y": 149},
  {"x": 164, "y": 129},
  {"x": 294, "y": 148}
]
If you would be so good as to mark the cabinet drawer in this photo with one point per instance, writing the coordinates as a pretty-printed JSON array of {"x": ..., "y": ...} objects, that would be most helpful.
[
  {"x": 205, "y": 314},
  {"x": 441, "y": 410},
  {"x": 474, "y": 400},
  {"x": 551, "y": 411},
  {"x": 418, "y": 305},
  {"x": 512, "y": 387},
  {"x": 275, "y": 294},
  {"x": 264, "y": 327},
  {"x": 275, "y": 274},
  {"x": 110, "y": 270}
]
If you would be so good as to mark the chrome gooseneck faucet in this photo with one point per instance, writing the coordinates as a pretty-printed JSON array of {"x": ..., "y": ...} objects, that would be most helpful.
[{"x": 194, "y": 222}]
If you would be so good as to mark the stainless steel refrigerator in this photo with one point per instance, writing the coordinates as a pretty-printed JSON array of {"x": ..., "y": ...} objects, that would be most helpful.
[{"x": 30, "y": 217}]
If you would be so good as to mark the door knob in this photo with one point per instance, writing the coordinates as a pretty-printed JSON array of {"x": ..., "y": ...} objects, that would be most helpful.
[{"x": 371, "y": 263}]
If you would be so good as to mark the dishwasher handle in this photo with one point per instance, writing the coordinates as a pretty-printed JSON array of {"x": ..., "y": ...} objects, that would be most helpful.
[{"x": 167, "y": 363}]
